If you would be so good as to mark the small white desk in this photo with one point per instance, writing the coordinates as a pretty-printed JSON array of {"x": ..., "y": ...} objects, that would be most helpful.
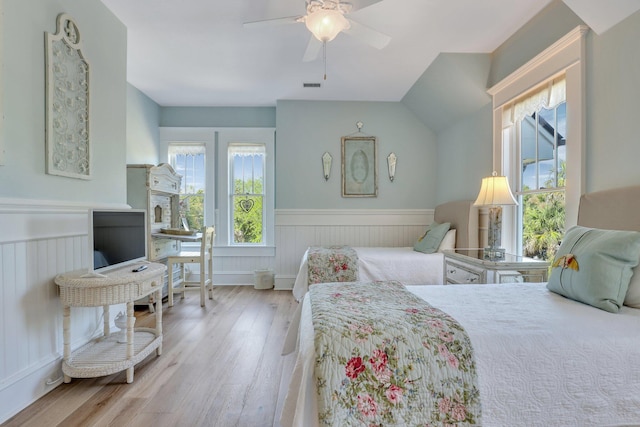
[{"x": 105, "y": 355}]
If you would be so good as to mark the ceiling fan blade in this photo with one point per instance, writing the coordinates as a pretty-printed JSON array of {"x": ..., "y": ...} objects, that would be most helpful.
[
  {"x": 368, "y": 35},
  {"x": 361, "y": 4},
  {"x": 313, "y": 50},
  {"x": 271, "y": 22}
]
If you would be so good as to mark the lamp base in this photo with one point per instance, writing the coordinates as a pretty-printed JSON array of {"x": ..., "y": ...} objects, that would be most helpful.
[{"x": 493, "y": 254}]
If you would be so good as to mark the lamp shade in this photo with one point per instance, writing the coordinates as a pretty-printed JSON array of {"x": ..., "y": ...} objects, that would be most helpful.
[
  {"x": 325, "y": 24},
  {"x": 495, "y": 191}
]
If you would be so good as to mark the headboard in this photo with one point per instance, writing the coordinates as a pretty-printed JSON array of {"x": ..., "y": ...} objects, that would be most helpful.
[
  {"x": 616, "y": 209},
  {"x": 463, "y": 216}
]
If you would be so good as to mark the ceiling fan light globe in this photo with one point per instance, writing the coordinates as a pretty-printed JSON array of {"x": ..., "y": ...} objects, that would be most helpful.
[{"x": 325, "y": 24}]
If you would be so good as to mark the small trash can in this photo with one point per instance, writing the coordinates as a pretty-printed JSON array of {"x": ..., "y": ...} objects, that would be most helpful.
[{"x": 263, "y": 279}]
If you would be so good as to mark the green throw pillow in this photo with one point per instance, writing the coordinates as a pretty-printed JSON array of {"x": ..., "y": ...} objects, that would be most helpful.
[
  {"x": 430, "y": 240},
  {"x": 594, "y": 266}
]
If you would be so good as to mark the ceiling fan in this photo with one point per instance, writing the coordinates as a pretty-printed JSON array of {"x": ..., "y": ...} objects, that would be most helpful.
[{"x": 325, "y": 19}]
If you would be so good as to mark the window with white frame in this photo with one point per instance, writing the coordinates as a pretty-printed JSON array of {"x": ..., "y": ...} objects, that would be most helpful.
[
  {"x": 188, "y": 160},
  {"x": 538, "y": 141},
  {"x": 538, "y": 122},
  {"x": 247, "y": 169}
]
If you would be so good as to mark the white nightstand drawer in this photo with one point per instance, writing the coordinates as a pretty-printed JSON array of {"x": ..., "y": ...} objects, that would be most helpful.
[
  {"x": 457, "y": 273},
  {"x": 471, "y": 266}
]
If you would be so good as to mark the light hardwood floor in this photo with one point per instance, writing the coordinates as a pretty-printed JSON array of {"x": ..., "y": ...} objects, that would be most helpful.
[{"x": 221, "y": 366}]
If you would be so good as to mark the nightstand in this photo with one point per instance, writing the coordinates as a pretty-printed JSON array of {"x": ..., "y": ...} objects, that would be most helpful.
[{"x": 471, "y": 266}]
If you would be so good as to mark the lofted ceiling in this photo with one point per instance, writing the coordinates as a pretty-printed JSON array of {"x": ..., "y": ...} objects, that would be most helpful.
[{"x": 199, "y": 53}]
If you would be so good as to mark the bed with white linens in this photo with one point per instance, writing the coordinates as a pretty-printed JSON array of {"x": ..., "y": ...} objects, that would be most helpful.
[
  {"x": 541, "y": 358},
  {"x": 404, "y": 263}
]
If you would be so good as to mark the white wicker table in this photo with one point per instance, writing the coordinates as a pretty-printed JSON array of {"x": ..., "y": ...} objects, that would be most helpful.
[{"x": 105, "y": 355}]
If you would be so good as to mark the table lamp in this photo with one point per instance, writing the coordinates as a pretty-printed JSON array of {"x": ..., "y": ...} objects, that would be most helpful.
[{"x": 495, "y": 193}]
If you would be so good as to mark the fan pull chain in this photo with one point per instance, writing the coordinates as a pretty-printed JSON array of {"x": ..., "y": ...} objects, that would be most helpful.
[{"x": 324, "y": 58}]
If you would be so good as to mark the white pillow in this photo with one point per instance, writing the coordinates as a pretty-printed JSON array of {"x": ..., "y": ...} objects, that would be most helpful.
[
  {"x": 632, "y": 298},
  {"x": 449, "y": 243}
]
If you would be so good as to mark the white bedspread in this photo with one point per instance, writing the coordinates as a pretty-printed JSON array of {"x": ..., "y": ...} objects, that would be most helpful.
[
  {"x": 402, "y": 264},
  {"x": 542, "y": 360}
]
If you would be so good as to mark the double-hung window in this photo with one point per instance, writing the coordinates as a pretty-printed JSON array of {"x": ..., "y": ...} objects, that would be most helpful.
[
  {"x": 247, "y": 193},
  {"x": 538, "y": 123},
  {"x": 538, "y": 140},
  {"x": 188, "y": 160}
]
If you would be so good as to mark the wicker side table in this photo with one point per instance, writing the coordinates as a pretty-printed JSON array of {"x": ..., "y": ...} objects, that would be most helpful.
[{"x": 105, "y": 355}]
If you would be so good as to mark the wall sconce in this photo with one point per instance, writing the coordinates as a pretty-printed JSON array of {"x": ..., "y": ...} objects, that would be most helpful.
[
  {"x": 391, "y": 162},
  {"x": 326, "y": 165}
]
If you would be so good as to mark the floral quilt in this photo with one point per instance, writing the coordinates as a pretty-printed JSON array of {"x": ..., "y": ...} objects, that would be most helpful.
[
  {"x": 332, "y": 264},
  {"x": 386, "y": 357}
]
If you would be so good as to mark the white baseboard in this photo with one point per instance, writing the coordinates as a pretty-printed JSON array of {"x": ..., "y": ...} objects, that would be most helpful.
[
  {"x": 284, "y": 282},
  {"x": 20, "y": 394}
]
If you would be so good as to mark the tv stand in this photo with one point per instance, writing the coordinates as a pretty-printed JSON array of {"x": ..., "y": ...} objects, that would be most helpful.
[
  {"x": 104, "y": 355},
  {"x": 93, "y": 275}
]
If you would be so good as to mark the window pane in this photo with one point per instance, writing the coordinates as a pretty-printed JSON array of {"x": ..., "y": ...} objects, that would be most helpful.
[
  {"x": 192, "y": 169},
  {"x": 543, "y": 160},
  {"x": 543, "y": 148},
  {"x": 192, "y": 209},
  {"x": 561, "y": 142},
  {"x": 248, "y": 173},
  {"x": 189, "y": 162},
  {"x": 247, "y": 219},
  {"x": 528, "y": 156},
  {"x": 546, "y": 149},
  {"x": 543, "y": 223},
  {"x": 247, "y": 192}
]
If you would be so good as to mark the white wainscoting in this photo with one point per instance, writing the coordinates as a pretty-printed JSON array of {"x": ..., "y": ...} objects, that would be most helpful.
[
  {"x": 297, "y": 229},
  {"x": 38, "y": 240}
]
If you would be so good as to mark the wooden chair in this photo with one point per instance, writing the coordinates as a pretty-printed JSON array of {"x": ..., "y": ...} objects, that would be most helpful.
[{"x": 204, "y": 257}]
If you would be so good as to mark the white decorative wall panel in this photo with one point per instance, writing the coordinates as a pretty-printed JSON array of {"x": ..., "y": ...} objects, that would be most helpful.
[{"x": 38, "y": 240}]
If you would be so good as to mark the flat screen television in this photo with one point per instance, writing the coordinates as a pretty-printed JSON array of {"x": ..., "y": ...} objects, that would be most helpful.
[{"x": 117, "y": 238}]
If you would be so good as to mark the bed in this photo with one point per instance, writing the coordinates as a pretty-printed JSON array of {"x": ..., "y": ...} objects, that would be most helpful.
[
  {"x": 403, "y": 263},
  {"x": 541, "y": 359}
]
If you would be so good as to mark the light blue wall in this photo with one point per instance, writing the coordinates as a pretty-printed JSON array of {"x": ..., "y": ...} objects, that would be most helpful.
[
  {"x": 104, "y": 46},
  {"x": 464, "y": 145},
  {"x": 453, "y": 87},
  {"x": 548, "y": 26},
  {"x": 259, "y": 117},
  {"x": 306, "y": 129},
  {"x": 465, "y": 156},
  {"x": 612, "y": 90},
  {"x": 143, "y": 117},
  {"x": 613, "y": 106}
]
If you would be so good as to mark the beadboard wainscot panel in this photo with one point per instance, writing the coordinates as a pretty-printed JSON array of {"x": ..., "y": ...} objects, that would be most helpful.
[
  {"x": 297, "y": 229},
  {"x": 238, "y": 270},
  {"x": 38, "y": 240}
]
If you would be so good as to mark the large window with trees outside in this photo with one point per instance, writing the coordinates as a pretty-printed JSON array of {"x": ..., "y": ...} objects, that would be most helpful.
[
  {"x": 188, "y": 160},
  {"x": 247, "y": 193},
  {"x": 539, "y": 133},
  {"x": 541, "y": 194},
  {"x": 535, "y": 144}
]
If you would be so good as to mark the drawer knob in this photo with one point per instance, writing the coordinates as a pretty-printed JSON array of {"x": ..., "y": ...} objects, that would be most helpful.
[
  {"x": 472, "y": 279},
  {"x": 452, "y": 271}
]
